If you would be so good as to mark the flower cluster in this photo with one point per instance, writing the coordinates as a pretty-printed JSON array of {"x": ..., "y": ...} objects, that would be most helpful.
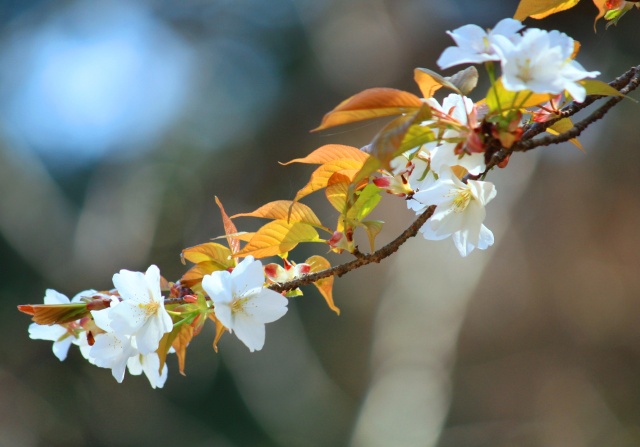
[
  {"x": 537, "y": 60},
  {"x": 127, "y": 333}
]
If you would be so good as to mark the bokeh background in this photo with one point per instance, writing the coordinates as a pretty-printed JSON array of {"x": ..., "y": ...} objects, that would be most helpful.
[{"x": 120, "y": 122}]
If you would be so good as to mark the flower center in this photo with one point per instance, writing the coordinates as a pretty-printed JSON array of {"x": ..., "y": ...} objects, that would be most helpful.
[
  {"x": 238, "y": 304},
  {"x": 150, "y": 308},
  {"x": 524, "y": 72},
  {"x": 461, "y": 199}
]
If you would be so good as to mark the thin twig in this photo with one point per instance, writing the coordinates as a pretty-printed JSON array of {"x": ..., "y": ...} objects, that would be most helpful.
[{"x": 362, "y": 260}]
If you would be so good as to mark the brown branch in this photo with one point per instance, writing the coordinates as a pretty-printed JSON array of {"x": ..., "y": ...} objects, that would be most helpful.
[
  {"x": 362, "y": 259},
  {"x": 625, "y": 84}
]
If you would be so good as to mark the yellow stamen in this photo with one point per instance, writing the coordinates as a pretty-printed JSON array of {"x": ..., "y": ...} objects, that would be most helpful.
[
  {"x": 461, "y": 199},
  {"x": 150, "y": 308}
]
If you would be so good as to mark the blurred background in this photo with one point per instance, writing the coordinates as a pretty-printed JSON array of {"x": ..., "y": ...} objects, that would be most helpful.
[{"x": 120, "y": 121}]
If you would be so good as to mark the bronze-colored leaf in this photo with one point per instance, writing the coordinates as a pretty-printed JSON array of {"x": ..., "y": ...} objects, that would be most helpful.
[{"x": 369, "y": 104}]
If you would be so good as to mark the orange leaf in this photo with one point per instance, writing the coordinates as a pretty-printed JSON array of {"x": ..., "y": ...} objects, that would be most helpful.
[
  {"x": 279, "y": 237},
  {"x": 320, "y": 177},
  {"x": 338, "y": 188},
  {"x": 539, "y": 9},
  {"x": 330, "y": 152},
  {"x": 371, "y": 103},
  {"x": 48, "y": 314},
  {"x": 428, "y": 85},
  {"x": 220, "y": 329},
  {"x": 285, "y": 210},
  {"x": 208, "y": 252},
  {"x": 229, "y": 228},
  {"x": 325, "y": 285},
  {"x": 180, "y": 342},
  {"x": 193, "y": 277}
]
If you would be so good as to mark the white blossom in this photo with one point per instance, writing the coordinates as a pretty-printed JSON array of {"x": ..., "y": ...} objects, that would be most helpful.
[
  {"x": 460, "y": 212},
  {"x": 150, "y": 365},
  {"x": 141, "y": 312},
  {"x": 443, "y": 155},
  {"x": 62, "y": 335},
  {"x": 242, "y": 304},
  {"x": 113, "y": 351},
  {"x": 476, "y": 45},
  {"x": 542, "y": 62}
]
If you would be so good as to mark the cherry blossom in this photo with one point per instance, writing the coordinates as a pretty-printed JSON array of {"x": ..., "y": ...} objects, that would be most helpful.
[
  {"x": 445, "y": 154},
  {"x": 542, "y": 62},
  {"x": 149, "y": 365},
  {"x": 241, "y": 302},
  {"x": 476, "y": 45},
  {"x": 62, "y": 335},
  {"x": 141, "y": 312},
  {"x": 460, "y": 212}
]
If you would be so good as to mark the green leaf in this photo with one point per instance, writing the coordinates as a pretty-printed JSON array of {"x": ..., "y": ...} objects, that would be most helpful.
[
  {"x": 501, "y": 99},
  {"x": 373, "y": 228},
  {"x": 367, "y": 200},
  {"x": 595, "y": 87},
  {"x": 388, "y": 143}
]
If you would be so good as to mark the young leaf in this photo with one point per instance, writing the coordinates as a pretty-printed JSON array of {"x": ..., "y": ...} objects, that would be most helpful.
[
  {"x": 465, "y": 80},
  {"x": 338, "y": 188},
  {"x": 48, "y": 314},
  {"x": 539, "y": 9},
  {"x": 501, "y": 99},
  {"x": 373, "y": 228},
  {"x": 325, "y": 285},
  {"x": 561, "y": 126},
  {"x": 331, "y": 152},
  {"x": 320, "y": 177},
  {"x": 229, "y": 229},
  {"x": 220, "y": 329},
  {"x": 208, "y": 252},
  {"x": 193, "y": 277},
  {"x": 285, "y": 210},
  {"x": 371, "y": 103},
  {"x": 595, "y": 87},
  {"x": 180, "y": 343},
  {"x": 279, "y": 237},
  {"x": 387, "y": 144},
  {"x": 367, "y": 200}
]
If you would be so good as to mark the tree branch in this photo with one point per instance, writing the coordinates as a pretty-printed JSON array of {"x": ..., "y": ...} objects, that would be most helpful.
[
  {"x": 625, "y": 84},
  {"x": 363, "y": 259}
]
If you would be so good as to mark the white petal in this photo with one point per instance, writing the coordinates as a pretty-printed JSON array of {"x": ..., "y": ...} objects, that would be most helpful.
[
  {"x": 218, "y": 286},
  {"x": 150, "y": 334},
  {"x": 486, "y": 238},
  {"x": 507, "y": 27},
  {"x": 482, "y": 191},
  {"x": 430, "y": 235},
  {"x": 84, "y": 294},
  {"x": 54, "y": 297},
  {"x": 152, "y": 278},
  {"x": 61, "y": 348},
  {"x": 131, "y": 286},
  {"x": 45, "y": 332},
  {"x": 249, "y": 332},
  {"x": 223, "y": 314},
  {"x": 267, "y": 306},
  {"x": 246, "y": 276},
  {"x": 134, "y": 365},
  {"x": 127, "y": 317}
]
